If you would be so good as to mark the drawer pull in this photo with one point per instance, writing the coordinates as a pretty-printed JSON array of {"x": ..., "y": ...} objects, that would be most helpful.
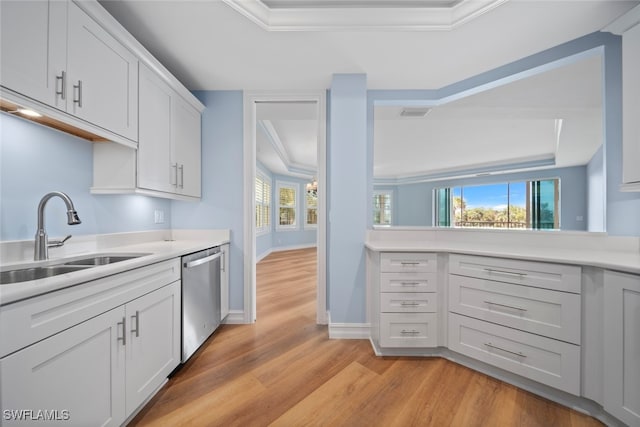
[
  {"x": 510, "y": 273},
  {"x": 410, "y": 332},
  {"x": 410, "y": 303},
  {"x": 505, "y": 305},
  {"x": 410, "y": 283},
  {"x": 519, "y": 354},
  {"x": 409, "y": 263}
]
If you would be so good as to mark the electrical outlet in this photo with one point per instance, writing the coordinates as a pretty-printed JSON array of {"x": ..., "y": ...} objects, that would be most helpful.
[{"x": 159, "y": 216}]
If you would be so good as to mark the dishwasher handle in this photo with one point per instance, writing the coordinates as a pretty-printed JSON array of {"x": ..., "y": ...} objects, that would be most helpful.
[{"x": 202, "y": 260}]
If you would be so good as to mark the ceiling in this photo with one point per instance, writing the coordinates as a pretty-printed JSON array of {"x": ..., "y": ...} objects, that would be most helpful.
[
  {"x": 209, "y": 45},
  {"x": 220, "y": 45}
]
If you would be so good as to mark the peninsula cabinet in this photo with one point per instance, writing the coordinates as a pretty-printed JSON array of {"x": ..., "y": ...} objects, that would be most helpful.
[
  {"x": 622, "y": 346},
  {"x": 108, "y": 363},
  {"x": 55, "y": 53}
]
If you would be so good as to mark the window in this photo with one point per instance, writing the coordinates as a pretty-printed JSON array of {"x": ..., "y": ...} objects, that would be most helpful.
[
  {"x": 522, "y": 204},
  {"x": 263, "y": 203},
  {"x": 382, "y": 208},
  {"x": 311, "y": 208},
  {"x": 287, "y": 205}
]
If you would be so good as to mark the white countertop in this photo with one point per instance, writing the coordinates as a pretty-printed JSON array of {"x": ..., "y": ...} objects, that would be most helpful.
[
  {"x": 627, "y": 261},
  {"x": 155, "y": 251}
]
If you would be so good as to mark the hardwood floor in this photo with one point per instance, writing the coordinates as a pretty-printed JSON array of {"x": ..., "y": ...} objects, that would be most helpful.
[{"x": 284, "y": 371}]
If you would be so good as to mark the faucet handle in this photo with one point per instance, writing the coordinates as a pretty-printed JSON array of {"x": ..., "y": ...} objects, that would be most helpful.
[{"x": 58, "y": 243}]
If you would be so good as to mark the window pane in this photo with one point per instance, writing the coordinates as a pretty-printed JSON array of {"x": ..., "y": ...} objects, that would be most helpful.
[
  {"x": 485, "y": 206},
  {"x": 382, "y": 209},
  {"x": 287, "y": 197},
  {"x": 312, "y": 216},
  {"x": 287, "y": 216},
  {"x": 518, "y": 204}
]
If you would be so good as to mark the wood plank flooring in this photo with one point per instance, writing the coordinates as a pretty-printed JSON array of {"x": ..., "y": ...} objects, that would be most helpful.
[{"x": 284, "y": 371}]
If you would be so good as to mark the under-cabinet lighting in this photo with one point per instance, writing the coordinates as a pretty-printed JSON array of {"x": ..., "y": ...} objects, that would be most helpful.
[{"x": 29, "y": 113}]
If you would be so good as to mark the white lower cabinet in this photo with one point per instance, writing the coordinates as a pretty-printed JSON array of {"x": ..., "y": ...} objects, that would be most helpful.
[
  {"x": 224, "y": 282},
  {"x": 622, "y": 346},
  {"x": 99, "y": 371},
  {"x": 77, "y": 375},
  {"x": 548, "y": 361},
  {"x": 408, "y": 330}
]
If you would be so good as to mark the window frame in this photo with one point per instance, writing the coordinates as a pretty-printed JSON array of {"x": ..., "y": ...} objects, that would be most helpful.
[
  {"x": 308, "y": 226},
  {"x": 296, "y": 208},
  {"x": 266, "y": 229}
]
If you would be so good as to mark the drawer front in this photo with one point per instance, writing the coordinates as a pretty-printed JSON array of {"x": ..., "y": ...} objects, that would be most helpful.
[
  {"x": 551, "y": 362},
  {"x": 25, "y": 322},
  {"x": 408, "y": 330},
  {"x": 405, "y": 302},
  {"x": 540, "y": 311},
  {"x": 408, "y": 282},
  {"x": 558, "y": 277},
  {"x": 403, "y": 262}
]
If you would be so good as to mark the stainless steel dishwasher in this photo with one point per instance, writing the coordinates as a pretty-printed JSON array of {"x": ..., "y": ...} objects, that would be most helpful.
[{"x": 200, "y": 298}]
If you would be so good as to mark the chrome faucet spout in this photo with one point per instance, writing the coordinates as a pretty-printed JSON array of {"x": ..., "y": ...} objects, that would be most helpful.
[{"x": 41, "y": 250}]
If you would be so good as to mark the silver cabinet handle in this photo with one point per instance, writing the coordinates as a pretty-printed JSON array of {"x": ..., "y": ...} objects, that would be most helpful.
[
  {"x": 409, "y": 263},
  {"x": 124, "y": 331},
  {"x": 520, "y": 354},
  {"x": 137, "y": 328},
  {"x": 223, "y": 261},
  {"x": 409, "y": 304},
  {"x": 410, "y": 283},
  {"x": 174, "y": 181},
  {"x": 79, "y": 87},
  {"x": 410, "y": 332},
  {"x": 505, "y": 305},
  {"x": 202, "y": 260},
  {"x": 181, "y": 167},
  {"x": 63, "y": 85},
  {"x": 510, "y": 273}
]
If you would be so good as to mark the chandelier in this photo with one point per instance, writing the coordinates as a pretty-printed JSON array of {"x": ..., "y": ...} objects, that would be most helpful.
[{"x": 312, "y": 188}]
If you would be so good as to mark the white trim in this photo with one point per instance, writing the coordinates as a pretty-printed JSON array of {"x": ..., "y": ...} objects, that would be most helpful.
[
  {"x": 363, "y": 18},
  {"x": 249, "y": 164},
  {"x": 349, "y": 331},
  {"x": 235, "y": 317}
]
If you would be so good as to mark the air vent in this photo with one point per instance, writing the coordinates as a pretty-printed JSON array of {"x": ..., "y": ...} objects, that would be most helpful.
[{"x": 415, "y": 112}]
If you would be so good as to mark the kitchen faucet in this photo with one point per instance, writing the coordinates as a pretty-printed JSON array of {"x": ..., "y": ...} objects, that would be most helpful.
[{"x": 42, "y": 244}]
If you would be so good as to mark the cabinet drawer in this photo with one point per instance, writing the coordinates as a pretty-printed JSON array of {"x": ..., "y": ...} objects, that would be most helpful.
[
  {"x": 408, "y": 282},
  {"x": 551, "y": 362},
  {"x": 408, "y": 330},
  {"x": 408, "y": 302},
  {"x": 403, "y": 262},
  {"x": 540, "y": 311},
  {"x": 539, "y": 274},
  {"x": 25, "y": 322}
]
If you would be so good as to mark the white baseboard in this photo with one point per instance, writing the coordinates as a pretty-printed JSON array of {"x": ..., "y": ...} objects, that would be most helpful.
[
  {"x": 235, "y": 317},
  {"x": 283, "y": 248},
  {"x": 349, "y": 331}
]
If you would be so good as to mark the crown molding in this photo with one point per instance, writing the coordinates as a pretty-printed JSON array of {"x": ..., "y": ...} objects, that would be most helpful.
[
  {"x": 625, "y": 22},
  {"x": 274, "y": 139},
  {"x": 399, "y": 18}
]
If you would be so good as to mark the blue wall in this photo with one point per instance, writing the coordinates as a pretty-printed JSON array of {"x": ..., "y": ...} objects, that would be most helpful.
[
  {"x": 414, "y": 202},
  {"x": 348, "y": 197},
  {"x": 35, "y": 160},
  {"x": 222, "y": 203}
]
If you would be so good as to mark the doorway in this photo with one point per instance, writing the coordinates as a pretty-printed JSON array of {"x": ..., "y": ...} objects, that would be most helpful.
[{"x": 255, "y": 104}]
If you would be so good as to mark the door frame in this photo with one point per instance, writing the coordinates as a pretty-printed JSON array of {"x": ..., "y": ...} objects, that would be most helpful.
[{"x": 249, "y": 152}]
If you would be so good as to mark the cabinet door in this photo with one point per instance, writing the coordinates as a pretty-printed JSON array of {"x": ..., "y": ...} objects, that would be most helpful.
[
  {"x": 224, "y": 283},
  {"x": 102, "y": 77},
  {"x": 76, "y": 375},
  {"x": 631, "y": 104},
  {"x": 33, "y": 36},
  {"x": 155, "y": 171},
  {"x": 153, "y": 342},
  {"x": 186, "y": 147},
  {"x": 622, "y": 346}
]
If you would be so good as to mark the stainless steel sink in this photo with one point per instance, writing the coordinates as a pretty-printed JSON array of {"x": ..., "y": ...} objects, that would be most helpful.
[
  {"x": 24, "y": 275},
  {"x": 102, "y": 260},
  {"x": 81, "y": 263}
]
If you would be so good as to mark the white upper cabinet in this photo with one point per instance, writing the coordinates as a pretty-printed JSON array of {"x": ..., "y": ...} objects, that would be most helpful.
[
  {"x": 102, "y": 77},
  {"x": 185, "y": 153},
  {"x": 154, "y": 148},
  {"x": 628, "y": 26},
  {"x": 55, "y": 53},
  {"x": 169, "y": 146},
  {"x": 33, "y": 48}
]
